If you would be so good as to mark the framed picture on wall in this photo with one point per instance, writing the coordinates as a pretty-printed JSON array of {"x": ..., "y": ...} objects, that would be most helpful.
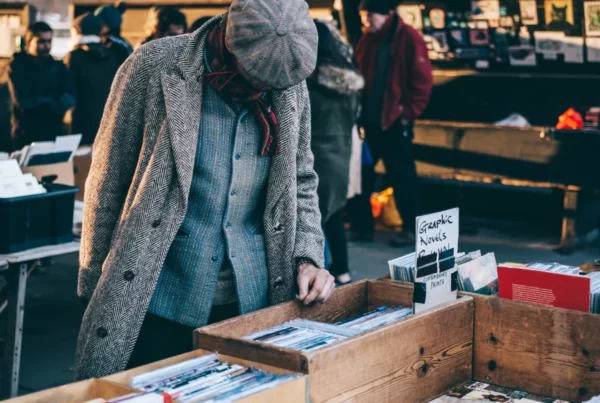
[
  {"x": 529, "y": 12},
  {"x": 592, "y": 18},
  {"x": 559, "y": 15}
]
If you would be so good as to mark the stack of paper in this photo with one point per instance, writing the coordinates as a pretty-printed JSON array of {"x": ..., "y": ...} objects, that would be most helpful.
[
  {"x": 13, "y": 183},
  {"x": 203, "y": 379}
]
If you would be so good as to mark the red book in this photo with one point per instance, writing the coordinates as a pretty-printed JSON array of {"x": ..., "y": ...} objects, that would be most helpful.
[{"x": 546, "y": 288}]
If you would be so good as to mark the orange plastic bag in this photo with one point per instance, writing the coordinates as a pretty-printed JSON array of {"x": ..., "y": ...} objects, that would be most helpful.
[
  {"x": 570, "y": 120},
  {"x": 384, "y": 208}
]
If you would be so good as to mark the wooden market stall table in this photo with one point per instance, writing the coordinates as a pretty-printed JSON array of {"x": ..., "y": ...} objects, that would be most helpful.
[{"x": 16, "y": 268}]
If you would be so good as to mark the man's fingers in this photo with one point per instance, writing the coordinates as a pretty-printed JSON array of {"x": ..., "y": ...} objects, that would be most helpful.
[
  {"x": 317, "y": 287},
  {"x": 304, "y": 279},
  {"x": 329, "y": 287}
]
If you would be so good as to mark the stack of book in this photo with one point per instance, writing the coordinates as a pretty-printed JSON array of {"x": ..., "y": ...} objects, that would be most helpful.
[
  {"x": 308, "y": 335},
  {"x": 202, "y": 379}
]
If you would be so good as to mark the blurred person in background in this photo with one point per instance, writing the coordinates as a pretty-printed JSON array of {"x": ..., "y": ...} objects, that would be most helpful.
[
  {"x": 92, "y": 67},
  {"x": 112, "y": 16},
  {"x": 40, "y": 89},
  {"x": 165, "y": 21},
  {"x": 334, "y": 90},
  {"x": 198, "y": 23},
  {"x": 393, "y": 58}
]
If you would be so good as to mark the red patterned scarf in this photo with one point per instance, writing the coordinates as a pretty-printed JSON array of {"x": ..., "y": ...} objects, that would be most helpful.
[{"x": 232, "y": 87}]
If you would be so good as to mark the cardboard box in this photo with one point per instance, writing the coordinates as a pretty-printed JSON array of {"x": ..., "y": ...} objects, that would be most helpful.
[
  {"x": 77, "y": 392},
  {"x": 294, "y": 391},
  {"x": 412, "y": 360},
  {"x": 63, "y": 171}
]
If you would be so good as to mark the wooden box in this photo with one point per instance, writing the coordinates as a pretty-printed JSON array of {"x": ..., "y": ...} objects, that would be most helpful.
[
  {"x": 540, "y": 349},
  {"x": 77, "y": 392},
  {"x": 413, "y": 360},
  {"x": 294, "y": 391}
]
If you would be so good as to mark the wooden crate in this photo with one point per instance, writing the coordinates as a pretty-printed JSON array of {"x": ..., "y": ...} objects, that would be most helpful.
[
  {"x": 540, "y": 349},
  {"x": 413, "y": 360},
  {"x": 294, "y": 391},
  {"x": 77, "y": 392}
]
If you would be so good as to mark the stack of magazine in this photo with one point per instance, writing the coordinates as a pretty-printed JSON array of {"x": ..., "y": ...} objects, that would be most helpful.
[
  {"x": 483, "y": 392},
  {"x": 403, "y": 268},
  {"x": 202, "y": 379},
  {"x": 308, "y": 335}
]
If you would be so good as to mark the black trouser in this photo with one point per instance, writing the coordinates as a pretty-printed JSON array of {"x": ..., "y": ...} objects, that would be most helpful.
[
  {"x": 395, "y": 147},
  {"x": 335, "y": 232},
  {"x": 161, "y": 338}
]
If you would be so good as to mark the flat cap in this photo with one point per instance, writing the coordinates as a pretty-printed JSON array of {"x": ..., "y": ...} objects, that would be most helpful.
[{"x": 274, "y": 42}]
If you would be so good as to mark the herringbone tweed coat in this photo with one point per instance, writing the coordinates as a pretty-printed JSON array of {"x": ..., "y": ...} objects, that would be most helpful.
[{"x": 138, "y": 187}]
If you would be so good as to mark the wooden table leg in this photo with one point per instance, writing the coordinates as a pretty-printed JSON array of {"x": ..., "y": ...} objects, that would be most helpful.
[
  {"x": 17, "y": 281},
  {"x": 567, "y": 240}
]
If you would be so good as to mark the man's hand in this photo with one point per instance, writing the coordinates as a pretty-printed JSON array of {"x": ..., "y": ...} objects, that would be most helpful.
[{"x": 314, "y": 284}]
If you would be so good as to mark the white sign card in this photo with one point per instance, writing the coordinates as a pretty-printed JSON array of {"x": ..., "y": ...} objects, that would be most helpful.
[
  {"x": 549, "y": 43},
  {"x": 573, "y": 49},
  {"x": 436, "y": 245},
  {"x": 593, "y": 50}
]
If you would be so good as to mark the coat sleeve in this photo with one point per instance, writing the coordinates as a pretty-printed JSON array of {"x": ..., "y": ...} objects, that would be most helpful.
[
  {"x": 115, "y": 155},
  {"x": 421, "y": 80},
  {"x": 309, "y": 234}
]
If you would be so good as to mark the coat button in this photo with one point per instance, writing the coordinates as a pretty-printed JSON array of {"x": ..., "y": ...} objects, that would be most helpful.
[
  {"x": 156, "y": 223},
  {"x": 128, "y": 275},
  {"x": 101, "y": 332},
  {"x": 278, "y": 282}
]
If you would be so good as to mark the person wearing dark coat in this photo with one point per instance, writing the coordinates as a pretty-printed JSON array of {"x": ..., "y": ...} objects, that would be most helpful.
[
  {"x": 92, "y": 67},
  {"x": 334, "y": 90},
  {"x": 112, "y": 16},
  {"x": 40, "y": 90}
]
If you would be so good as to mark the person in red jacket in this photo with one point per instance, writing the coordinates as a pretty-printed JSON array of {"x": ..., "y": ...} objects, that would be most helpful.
[{"x": 394, "y": 60}]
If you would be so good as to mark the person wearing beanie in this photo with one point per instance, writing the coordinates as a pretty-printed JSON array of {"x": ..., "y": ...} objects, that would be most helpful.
[
  {"x": 393, "y": 58},
  {"x": 92, "y": 67},
  {"x": 201, "y": 201},
  {"x": 112, "y": 16}
]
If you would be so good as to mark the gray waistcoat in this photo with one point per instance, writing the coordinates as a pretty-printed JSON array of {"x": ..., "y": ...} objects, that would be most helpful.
[{"x": 223, "y": 224}]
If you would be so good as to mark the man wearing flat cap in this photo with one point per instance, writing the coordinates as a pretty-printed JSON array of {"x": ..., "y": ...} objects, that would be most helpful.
[{"x": 201, "y": 201}]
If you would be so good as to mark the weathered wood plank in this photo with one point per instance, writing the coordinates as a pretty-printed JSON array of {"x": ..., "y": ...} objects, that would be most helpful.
[
  {"x": 77, "y": 392},
  {"x": 544, "y": 350},
  {"x": 390, "y": 293},
  {"x": 412, "y": 361}
]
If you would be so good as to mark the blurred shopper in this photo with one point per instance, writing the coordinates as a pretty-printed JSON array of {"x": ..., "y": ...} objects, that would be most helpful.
[
  {"x": 394, "y": 60},
  {"x": 92, "y": 67},
  {"x": 112, "y": 16},
  {"x": 334, "y": 97},
  {"x": 40, "y": 89},
  {"x": 198, "y": 23},
  {"x": 165, "y": 21},
  {"x": 201, "y": 202}
]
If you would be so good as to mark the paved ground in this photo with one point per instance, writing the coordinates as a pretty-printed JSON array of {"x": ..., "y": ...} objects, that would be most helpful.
[{"x": 53, "y": 312}]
